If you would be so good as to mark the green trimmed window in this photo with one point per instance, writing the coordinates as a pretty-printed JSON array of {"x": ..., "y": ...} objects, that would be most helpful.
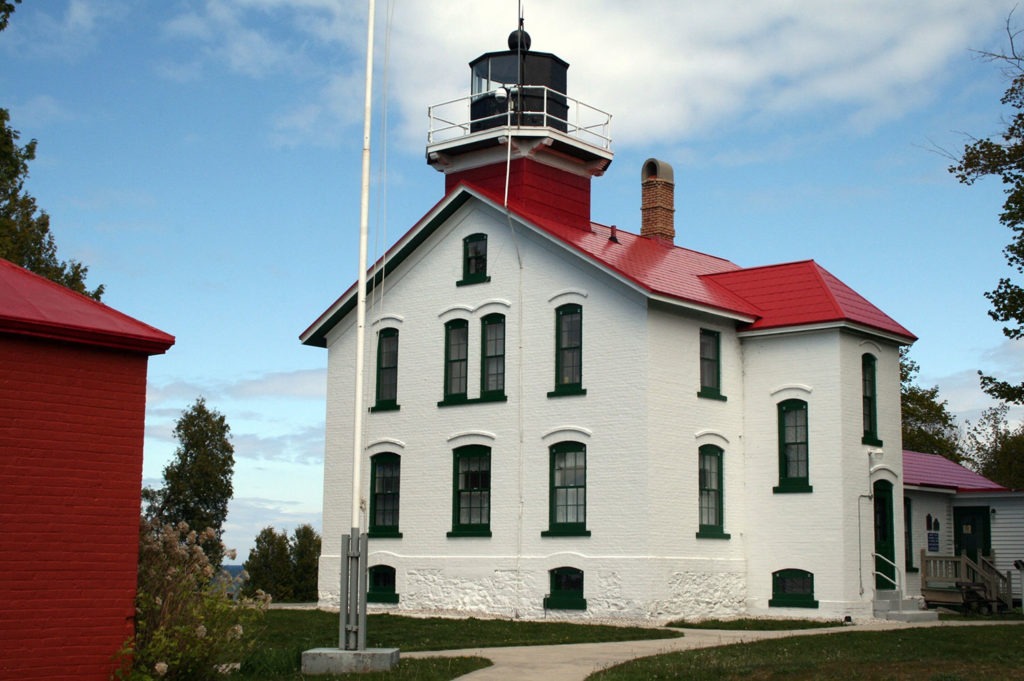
[
  {"x": 387, "y": 370},
  {"x": 566, "y": 590},
  {"x": 492, "y": 357},
  {"x": 793, "y": 451},
  {"x": 712, "y": 522},
  {"x": 471, "y": 493},
  {"x": 792, "y": 588},
  {"x": 568, "y": 351},
  {"x": 456, "y": 360},
  {"x": 870, "y": 400},
  {"x": 474, "y": 260},
  {"x": 568, "y": 490},
  {"x": 381, "y": 585},
  {"x": 710, "y": 365},
  {"x": 385, "y": 478}
]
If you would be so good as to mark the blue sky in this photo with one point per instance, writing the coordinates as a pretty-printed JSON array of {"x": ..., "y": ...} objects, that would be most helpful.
[{"x": 203, "y": 158}]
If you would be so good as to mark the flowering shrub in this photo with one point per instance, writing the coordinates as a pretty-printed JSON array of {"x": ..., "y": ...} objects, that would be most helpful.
[{"x": 188, "y": 624}]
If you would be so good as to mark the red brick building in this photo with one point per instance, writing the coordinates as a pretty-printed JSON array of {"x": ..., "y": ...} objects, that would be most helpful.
[{"x": 72, "y": 417}]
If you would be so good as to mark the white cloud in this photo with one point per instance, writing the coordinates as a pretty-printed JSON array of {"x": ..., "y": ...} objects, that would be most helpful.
[
  {"x": 66, "y": 35},
  {"x": 667, "y": 70},
  {"x": 248, "y": 515},
  {"x": 306, "y": 384}
]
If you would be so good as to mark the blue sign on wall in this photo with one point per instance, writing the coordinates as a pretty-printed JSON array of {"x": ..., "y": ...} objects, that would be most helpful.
[{"x": 933, "y": 542}]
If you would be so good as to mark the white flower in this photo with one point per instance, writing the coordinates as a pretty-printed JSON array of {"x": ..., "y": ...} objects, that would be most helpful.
[
  {"x": 160, "y": 668},
  {"x": 201, "y": 631}
]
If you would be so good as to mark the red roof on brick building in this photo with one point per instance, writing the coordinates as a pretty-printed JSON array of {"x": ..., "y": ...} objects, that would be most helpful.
[
  {"x": 31, "y": 305},
  {"x": 932, "y": 470}
]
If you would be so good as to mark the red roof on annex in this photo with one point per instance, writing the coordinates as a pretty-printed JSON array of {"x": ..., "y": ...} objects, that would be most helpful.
[
  {"x": 932, "y": 470},
  {"x": 31, "y": 305}
]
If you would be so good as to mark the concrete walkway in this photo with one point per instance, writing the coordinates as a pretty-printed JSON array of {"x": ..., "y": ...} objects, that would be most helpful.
[{"x": 577, "y": 661}]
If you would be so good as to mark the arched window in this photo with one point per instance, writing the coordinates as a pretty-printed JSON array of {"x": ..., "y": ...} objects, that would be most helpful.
[
  {"x": 474, "y": 260},
  {"x": 869, "y": 391},
  {"x": 567, "y": 498},
  {"x": 566, "y": 590},
  {"x": 456, "y": 360},
  {"x": 794, "y": 457},
  {"x": 387, "y": 370},
  {"x": 568, "y": 351},
  {"x": 471, "y": 493},
  {"x": 711, "y": 503},
  {"x": 492, "y": 357},
  {"x": 381, "y": 587},
  {"x": 792, "y": 588},
  {"x": 385, "y": 479}
]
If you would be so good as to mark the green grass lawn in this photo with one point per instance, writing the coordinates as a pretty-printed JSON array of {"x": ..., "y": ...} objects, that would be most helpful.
[
  {"x": 950, "y": 653},
  {"x": 287, "y": 633},
  {"x": 932, "y": 654}
]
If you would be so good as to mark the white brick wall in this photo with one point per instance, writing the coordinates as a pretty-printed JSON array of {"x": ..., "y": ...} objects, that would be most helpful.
[{"x": 642, "y": 423}]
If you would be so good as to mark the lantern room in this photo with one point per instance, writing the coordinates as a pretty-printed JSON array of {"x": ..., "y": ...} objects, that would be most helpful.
[{"x": 518, "y": 87}]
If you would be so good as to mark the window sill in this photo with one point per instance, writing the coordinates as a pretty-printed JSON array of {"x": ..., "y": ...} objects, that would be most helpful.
[
  {"x": 469, "y": 281},
  {"x": 712, "y": 534},
  {"x": 785, "y": 487},
  {"x": 384, "y": 534},
  {"x": 872, "y": 441},
  {"x": 711, "y": 394},
  {"x": 470, "y": 533},
  {"x": 567, "y": 391},
  {"x": 384, "y": 407},
  {"x": 794, "y": 603},
  {"x": 457, "y": 401},
  {"x": 556, "y": 603},
  {"x": 565, "y": 532}
]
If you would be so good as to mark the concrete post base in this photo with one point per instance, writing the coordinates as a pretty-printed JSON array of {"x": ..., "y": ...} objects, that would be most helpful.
[{"x": 336, "y": 661}]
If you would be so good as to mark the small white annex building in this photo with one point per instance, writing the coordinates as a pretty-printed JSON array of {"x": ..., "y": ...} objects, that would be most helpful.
[
  {"x": 951, "y": 514},
  {"x": 570, "y": 419}
]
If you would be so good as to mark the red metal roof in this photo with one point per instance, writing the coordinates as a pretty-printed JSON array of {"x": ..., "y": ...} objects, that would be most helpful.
[
  {"x": 31, "y": 305},
  {"x": 799, "y": 293},
  {"x": 932, "y": 470},
  {"x": 776, "y": 296},
  {"x": 792, "y": 294}
]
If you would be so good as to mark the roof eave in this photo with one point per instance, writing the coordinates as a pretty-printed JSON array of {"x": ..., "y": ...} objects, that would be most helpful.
[
  {"x": 316, "y": 334},
  {"x": 148, "y": 345},
  {"x": 826, "y": 325}
]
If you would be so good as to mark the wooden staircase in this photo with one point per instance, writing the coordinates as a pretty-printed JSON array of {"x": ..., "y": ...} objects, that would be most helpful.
[{"x": 959, "y": 581}]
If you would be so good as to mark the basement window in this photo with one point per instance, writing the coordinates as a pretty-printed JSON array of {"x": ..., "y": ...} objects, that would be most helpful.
[
  {"x": 381, "y": 588},
  {"x": 792, "y": 588},
  {"x": 566, "y": 590}
]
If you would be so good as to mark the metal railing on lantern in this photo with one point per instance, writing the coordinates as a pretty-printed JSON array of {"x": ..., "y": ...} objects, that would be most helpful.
[{"x": 521, "y": 107}]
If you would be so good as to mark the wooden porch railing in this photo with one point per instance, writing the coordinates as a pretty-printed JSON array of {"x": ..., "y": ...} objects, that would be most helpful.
[{"x": 944, "y": 574}]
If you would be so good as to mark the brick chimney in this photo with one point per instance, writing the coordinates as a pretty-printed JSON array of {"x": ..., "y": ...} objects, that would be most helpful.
[{"x": 657, "y": 200}]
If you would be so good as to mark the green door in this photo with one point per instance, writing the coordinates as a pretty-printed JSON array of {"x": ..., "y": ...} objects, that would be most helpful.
[
  {"x": 885, "y": 542},
  {"x": 971, "y": 531}
]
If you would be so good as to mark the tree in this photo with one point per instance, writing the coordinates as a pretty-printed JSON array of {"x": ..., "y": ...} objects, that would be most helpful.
[
  {"x": 1002, "y": 157},
  {"x": 304, "y": 550},
  {"x": 25, "y": 237},
  {"x": 6, "y": 9},
  {"x": 928, "y": 425},
  {"x": 282, "y": 567},
  {"x": 269, "y": 566},
  {"x": 995, "y": 449},
  {"x": 197, "y": 482}
]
